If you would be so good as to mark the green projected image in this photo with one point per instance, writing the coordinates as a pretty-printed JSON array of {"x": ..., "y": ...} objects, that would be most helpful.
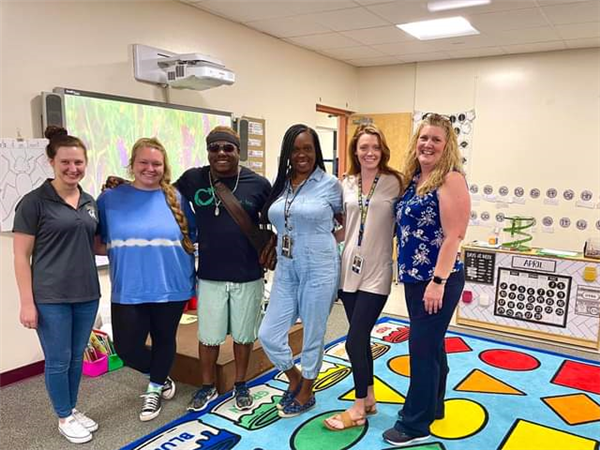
[{"x": 109, "y": 128}]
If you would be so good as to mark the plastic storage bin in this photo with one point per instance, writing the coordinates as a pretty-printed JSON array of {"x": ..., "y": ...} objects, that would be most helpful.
[{"x": 96, "y": 368}]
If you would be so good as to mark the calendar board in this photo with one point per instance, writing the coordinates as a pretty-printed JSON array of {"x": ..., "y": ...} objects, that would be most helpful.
[{"x": 545, "y": 297}]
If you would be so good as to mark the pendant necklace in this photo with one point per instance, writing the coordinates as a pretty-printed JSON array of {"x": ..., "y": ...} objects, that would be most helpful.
[{"x": 215, "y": 198}]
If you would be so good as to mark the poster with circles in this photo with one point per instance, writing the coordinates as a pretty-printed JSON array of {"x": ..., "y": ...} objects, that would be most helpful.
[{"x": 462, "y": 123}]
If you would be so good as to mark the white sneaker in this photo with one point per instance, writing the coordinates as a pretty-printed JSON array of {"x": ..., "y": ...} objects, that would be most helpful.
[
  {"x": 84, "y": 420},
  {"x": 168, "y": 389},
  {"x": 73, "y": 431}
]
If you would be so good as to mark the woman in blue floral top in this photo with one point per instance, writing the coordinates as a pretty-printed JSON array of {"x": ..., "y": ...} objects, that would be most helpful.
[{"x": 431, "y": 221}]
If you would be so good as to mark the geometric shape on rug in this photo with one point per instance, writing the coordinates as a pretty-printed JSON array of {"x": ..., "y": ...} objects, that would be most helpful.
[
  {"x": 338, "y": 350},
  {"x": 193, "y": 434},
  {"x": 574, "y": 409},
  {"x": 578, "y": 375},
  {"x": 533, "y": 436},
  {"x": 509, "y": 360},
  {"x": 456, "y": 344},
  {"x": 329, "y": 375},
  {"x": 483, "y": 383},
  {"x": 384, "y": 393},
  {"x": 428, "y": 446},
  {"x": 390, "y": 332},
  {"x": 262, "y": 413},
  {"x": 463, "y": 418},
  {"x": 313, "y": 431},
  {"x": 400, "y": 365}
]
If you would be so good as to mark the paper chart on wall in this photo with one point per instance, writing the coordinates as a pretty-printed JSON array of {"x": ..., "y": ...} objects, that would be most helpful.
[{"x": 23, "y": 167}]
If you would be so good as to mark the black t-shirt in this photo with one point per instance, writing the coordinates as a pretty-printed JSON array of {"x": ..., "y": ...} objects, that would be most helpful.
[
  {"x": 63, "y": 262},
  {"x": 224, "y": 251}
]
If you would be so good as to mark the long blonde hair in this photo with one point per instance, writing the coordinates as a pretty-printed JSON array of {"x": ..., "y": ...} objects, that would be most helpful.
[
  {"x": 167, "y": 188},
  {"x": 450, "y": 161},
  {"x": 354, "y": 163}
]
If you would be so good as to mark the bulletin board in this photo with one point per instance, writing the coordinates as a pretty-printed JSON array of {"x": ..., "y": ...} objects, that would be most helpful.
[
  {"x": 256, "y": 145},
  {"x": 396, "y": 127}
]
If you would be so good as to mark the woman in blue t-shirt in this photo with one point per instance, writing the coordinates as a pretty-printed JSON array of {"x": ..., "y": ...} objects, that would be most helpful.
[
  {"x": 431, "y": 221},
  {"x": 145, "y": 226}
]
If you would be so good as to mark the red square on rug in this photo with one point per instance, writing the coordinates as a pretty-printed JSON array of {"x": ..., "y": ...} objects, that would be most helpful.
[{"x": 578, "y": 375}]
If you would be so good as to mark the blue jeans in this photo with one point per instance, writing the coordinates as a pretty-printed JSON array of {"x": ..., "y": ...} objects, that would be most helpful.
[
  {"x": 428, "y": 363},
  {"x": 304, "y": 287},
  {"x": 64, "y": 330}
]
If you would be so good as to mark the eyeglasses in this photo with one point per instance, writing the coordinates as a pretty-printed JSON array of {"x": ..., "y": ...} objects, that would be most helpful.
[{"x": 227, "y": 148}]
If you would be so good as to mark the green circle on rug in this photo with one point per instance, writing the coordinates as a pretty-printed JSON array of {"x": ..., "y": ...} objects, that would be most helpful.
[{"x": 313, "y": 430}]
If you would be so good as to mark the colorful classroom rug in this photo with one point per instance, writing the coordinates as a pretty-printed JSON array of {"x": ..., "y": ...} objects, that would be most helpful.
[{"x": 499, "y": 397}]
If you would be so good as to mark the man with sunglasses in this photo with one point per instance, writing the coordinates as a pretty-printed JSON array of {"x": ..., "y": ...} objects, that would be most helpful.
[{"x": 230, "y": 278}]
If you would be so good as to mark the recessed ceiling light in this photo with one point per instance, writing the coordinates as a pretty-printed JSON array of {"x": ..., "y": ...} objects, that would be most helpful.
[
  {"x": 444, "y": 5},
  {"x": 439, "y": 28}
]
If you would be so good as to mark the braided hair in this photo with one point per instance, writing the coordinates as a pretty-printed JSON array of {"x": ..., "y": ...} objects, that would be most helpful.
[
  {"x": 167, "y": 188},
  {"x": 285, "y": 165}
]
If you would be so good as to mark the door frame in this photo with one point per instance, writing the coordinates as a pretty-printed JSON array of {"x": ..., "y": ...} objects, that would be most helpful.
[{"x": 342, "y": 133}]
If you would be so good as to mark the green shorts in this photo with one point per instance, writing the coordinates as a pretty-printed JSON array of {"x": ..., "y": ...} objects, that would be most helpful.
[{"x": 231, "y": 308}]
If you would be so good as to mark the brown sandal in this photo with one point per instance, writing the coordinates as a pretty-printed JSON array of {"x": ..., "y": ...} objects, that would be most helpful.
[
  {"x": 346, "y": 420},
  {"x": 371, "y": 410}
]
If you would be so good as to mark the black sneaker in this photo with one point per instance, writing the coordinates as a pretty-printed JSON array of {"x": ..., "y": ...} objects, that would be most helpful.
[
  {"x": 202, "y": 398},
  {"x": 168, "y": 389},
  {"x": 151, "y": 407},
  {"x": 399, "y": 439},
  {"x": 243, "y": 398}
]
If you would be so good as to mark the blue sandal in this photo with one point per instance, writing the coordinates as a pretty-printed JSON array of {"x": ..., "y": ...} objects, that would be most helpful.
[
  {"x": 294, "y": 408},
  {"x": 288, "y": 397}
]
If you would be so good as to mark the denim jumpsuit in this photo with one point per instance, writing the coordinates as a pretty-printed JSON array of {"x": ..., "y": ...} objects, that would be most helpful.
[{"x": 305, "y": 285}]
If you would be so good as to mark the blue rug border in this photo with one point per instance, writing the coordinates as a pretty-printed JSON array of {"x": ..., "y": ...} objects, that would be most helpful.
[{"x": 269, "y": 375}]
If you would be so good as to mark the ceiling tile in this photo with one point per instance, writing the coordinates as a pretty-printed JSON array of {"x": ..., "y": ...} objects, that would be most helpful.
[
  {"x": 379, "y": 61},
  {"x": 352, "y": 52},
  {"x": 404, "y": 48},
  {"x": 380, "y": 35},
  {"x": 429, "y": 56},
  {"x": 348, "y": 19},
  {"x": 476, "y": 52},
  {"x": 579, "y": 31},
  {"x": 525, "y": 36},
  {"x": 583, "y": 43},
  {"x": 508, "y": 20},
  {"x": 463, "y": 42},
  {"x": 246, "y": 11},
  {"x": 543, "y": 3},
  {"x": 307, "y": 7},
  {"x": 323, "y": 41},
  {"x": 373, "y": 2},
  {"x": 403, "y": 11},
  {"x": 497, "y": 6},
  {"x": 539, "y": 47},
  {"x": 573, "y": 13},
  {"x": 289, "y": 26}
]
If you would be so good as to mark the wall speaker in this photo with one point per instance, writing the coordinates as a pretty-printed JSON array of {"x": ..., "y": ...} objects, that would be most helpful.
[
  {"x": 241, "y": 126},
  {"x": 53, "y": 110}
]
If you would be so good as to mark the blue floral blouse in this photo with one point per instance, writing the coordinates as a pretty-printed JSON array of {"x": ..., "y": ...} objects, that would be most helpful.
[{"x": 420, "y": 235}]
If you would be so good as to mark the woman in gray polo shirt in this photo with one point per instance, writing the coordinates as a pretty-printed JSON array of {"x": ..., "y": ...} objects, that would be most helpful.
[{"x": 54, "y": 231}]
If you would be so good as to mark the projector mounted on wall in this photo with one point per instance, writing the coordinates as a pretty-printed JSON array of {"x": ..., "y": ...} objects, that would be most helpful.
[{"x": 180, "y": 71}]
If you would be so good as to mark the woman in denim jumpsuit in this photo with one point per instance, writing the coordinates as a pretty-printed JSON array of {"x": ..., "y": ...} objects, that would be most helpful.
[{"x": 302, "y": 205}]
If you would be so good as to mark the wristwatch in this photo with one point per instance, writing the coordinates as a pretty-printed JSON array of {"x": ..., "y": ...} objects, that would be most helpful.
[{"x": 439, "y": 280}]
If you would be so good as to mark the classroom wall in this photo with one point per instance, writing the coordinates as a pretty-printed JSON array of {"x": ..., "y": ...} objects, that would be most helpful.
[
  {"x": 537, "y": 126},
  {"x": 86, "y": 45},
  {"x": 537, "y": 114}
]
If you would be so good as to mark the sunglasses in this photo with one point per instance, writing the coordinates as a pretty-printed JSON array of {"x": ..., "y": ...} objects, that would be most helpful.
[
  {"x": 227, "y": 148},
  {"x": 436, "y": 116}
]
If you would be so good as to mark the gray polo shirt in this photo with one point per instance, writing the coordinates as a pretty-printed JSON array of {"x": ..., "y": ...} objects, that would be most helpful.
[{"x": 63, "y": 261}]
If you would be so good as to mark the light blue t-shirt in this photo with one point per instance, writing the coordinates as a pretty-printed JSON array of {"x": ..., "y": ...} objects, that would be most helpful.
[{"x": 147, "y": 261}]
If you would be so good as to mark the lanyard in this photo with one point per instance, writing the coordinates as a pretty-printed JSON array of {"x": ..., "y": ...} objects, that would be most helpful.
[
  {"x": 288, "y": 203},
  {"x": 364, "y": 209}
]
